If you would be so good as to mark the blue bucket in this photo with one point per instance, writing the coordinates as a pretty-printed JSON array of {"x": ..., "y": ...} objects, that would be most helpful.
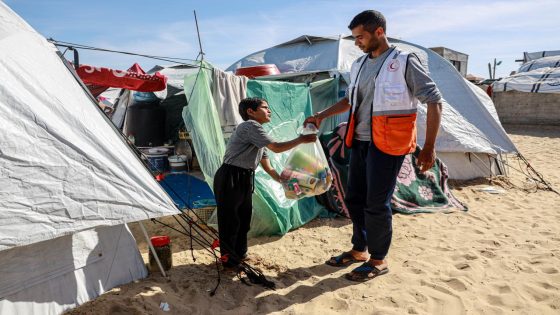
[{"x": 157, "y": 162}]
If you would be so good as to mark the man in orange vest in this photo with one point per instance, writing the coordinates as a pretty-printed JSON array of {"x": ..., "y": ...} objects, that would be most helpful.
[{"x": 386, "y": 86}]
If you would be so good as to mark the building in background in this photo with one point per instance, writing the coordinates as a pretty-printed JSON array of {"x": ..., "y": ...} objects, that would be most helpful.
[{"x": 458, "y": 59}]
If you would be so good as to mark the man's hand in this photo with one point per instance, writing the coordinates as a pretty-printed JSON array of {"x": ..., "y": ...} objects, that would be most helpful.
[
  {"x": 426, "y": 158},
  {"x": 315, "y": 119},
  {"x": 340, "y": 107}
]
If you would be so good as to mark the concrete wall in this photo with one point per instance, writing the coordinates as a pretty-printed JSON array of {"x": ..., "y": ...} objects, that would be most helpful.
[{"x": 515, "y": 107}]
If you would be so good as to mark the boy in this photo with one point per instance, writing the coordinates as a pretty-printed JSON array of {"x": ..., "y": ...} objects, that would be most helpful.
[{"x": 234, "y": 180}]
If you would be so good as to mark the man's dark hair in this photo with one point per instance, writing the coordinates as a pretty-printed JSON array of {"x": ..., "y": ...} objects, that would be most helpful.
[
  {"x": 370, "y": 19},
  {"x": 250, "y": 102}
]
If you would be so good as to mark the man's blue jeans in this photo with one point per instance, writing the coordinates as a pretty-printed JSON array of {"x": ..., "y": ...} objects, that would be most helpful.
[{"x": 372, "y": 178}]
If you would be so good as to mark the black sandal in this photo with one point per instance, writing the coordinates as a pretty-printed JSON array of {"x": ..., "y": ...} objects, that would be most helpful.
[
  {"x": 343, "y": 260},
  {"x": 365, "y": 272}
]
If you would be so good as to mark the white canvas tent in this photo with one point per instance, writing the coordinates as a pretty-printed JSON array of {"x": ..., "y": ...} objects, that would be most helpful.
[
  {"x": 540, "y": 75},
  {"x": 69, "y": 184},
  {"x": 529, "y": 56},
  {"x": 471, "y": 138},
  {"x": 531, "y": 96}
]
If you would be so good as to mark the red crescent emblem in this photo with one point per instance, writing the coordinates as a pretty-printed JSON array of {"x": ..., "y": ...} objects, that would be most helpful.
[{"x": 393, "y": 66}]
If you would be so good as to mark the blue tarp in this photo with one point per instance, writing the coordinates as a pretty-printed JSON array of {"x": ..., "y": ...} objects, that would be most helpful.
[{"x": 188, "y": 191}]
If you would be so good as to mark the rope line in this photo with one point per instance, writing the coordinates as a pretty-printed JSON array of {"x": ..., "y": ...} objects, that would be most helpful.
[{"x": 68, "y": 45}]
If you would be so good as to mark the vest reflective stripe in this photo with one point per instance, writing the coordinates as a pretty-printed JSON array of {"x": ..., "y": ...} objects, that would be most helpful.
[{"x": 393, "y": 110}]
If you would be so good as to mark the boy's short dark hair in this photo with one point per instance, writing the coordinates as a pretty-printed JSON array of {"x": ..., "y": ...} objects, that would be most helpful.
[
  {"x": 250, "y": 102},
  {"x": 370, "y": 19}
]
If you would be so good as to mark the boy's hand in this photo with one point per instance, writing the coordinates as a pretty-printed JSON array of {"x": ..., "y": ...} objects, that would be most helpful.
[
  {"x": 310, "y": 138},
  {"x": 277, "y": 178},
  {"x": 315, "y": 119}
]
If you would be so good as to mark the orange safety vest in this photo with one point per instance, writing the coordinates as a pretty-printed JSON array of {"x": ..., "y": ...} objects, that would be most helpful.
[{"x": 393, "y": 111}]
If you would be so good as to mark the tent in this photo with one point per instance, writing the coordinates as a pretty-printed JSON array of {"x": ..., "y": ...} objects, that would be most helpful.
[
  {"x": 471, "y": 138},
  {"x": 540, "y": 75},
  {"x": 530, "y": 56},
  {"x": 70, "y": 183},
  {"x": 531, "y": 96}
]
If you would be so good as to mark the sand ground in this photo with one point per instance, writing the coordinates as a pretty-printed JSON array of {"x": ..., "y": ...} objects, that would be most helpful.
[{"x": 500, "y": 257}]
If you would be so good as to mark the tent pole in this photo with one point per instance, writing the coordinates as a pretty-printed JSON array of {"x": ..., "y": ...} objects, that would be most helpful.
[
  {"x": 152, "y": 249},
  {"x": 201, "y": 53}
]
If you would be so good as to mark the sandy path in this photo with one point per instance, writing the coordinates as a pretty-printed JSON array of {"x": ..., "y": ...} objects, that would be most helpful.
[{"x": 500, "y": 257}]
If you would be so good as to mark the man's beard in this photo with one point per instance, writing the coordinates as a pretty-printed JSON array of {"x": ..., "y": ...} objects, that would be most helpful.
[{"x": 374, "y": 46}]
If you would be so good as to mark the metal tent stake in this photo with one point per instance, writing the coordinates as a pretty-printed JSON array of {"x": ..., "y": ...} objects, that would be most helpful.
[{"x": 152, "y": 249}]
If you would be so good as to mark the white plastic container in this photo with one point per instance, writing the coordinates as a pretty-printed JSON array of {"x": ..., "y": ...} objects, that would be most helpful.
[{"x": 177, "y": 163}]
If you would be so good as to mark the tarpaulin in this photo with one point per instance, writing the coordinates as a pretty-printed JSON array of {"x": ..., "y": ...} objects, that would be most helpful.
[{"x": 132, "y": 79}]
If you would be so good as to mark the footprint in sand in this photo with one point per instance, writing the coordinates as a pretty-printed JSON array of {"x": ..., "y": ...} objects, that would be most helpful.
[
  {"x": 444, "y": 249},
  {"x": 436, "y": 287},
  {"x": 549, "y": 270},
  {"x": 456, "y": 284},
  {"x": 336, "y": 304},
  {"x": 467, "y": 256},
  {"x": 419, "y": 297},
  {"x": 525, "y": 268},
  {"x": 417, "y": 271},
  {"x": 547, "y": 286},
  {"x": 487, "y": 253},
  {"x": 490, "y": 242},
  {"x": 525, "y": 246},
  {"x": 388, "y": 302},
  {"x": 413, "y": 267},
  {"x": 446, "y": 301},
  {"x": 502, "y": 289},
  {"x": 462, "y": 266},
  {"x": 495, "y": 300},
  {"x": 537, "y": 294},
  {"x": 342, "y": 295}
]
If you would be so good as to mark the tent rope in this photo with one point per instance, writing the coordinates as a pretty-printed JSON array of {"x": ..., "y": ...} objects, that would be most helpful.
[
  {"x": 183, "y": 61},
  {"x": 254, "y": 275},
  {"x": 531, "y": 174}
]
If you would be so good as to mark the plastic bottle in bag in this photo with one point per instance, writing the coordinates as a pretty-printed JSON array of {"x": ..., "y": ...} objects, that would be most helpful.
[{"x": 306, "y": 172}]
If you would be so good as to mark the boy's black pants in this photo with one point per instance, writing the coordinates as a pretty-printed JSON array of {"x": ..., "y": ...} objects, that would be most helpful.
[{"x": 233, "y": 189}]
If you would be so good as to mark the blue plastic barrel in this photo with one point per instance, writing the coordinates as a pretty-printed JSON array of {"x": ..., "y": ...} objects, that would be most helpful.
[{"x": 157, "y": 162}]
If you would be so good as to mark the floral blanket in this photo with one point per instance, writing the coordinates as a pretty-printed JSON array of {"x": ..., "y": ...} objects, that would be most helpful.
[{"x": 415, "y": 192}]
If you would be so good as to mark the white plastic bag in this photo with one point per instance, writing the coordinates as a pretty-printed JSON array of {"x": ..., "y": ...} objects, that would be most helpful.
[{"x": 307, "y": 171}]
